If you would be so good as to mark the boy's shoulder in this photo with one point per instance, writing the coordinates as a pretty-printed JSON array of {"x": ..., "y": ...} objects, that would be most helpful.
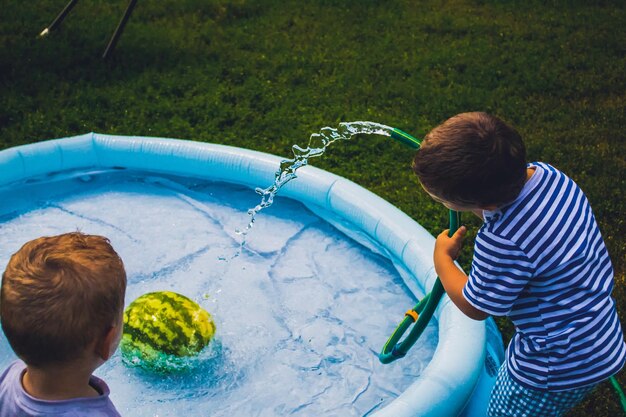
[
  {"x": 537, "y": 193},
  {"x": 10, "y": 385},
  {"x": 536, "y": 200},
  {"x": 527, "y": 225},
  {"x": 16, "y": 402},
  {"x": 11, "y": 375}
]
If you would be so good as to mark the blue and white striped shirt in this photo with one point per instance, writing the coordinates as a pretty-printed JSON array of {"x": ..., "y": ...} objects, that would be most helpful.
[{"x": 541, "y": 261}]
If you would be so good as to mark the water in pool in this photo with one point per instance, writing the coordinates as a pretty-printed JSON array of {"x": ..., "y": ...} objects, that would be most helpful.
[{"x": 301, "y": 310}]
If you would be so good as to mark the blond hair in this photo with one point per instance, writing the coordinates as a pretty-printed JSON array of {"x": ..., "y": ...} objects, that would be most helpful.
[{"x": 59, "y": 294}]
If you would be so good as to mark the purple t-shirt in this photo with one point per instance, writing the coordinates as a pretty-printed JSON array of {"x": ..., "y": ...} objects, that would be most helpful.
[{"x": 15, "y": 402}]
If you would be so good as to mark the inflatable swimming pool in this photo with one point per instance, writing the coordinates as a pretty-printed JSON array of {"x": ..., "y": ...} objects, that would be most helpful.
[{"x": 458, "y": 379}]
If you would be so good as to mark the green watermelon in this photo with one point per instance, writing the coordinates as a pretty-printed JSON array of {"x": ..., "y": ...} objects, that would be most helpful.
[{"x": 163, "y": 328}]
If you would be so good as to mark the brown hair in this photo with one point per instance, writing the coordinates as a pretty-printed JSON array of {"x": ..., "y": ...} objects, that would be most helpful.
[
  {"x": 59, "y": 294},
  {"x": 472, "y": 159}
]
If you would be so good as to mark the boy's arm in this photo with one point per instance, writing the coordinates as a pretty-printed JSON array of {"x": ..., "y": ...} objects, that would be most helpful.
[{"x": 453, "y": 279}]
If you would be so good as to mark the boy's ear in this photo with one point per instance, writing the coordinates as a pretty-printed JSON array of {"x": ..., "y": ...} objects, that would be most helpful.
[{"x": 106, "y": 345}]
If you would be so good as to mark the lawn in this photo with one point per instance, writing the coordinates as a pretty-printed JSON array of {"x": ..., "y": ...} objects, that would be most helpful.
[{"x": 265, "y": 74}]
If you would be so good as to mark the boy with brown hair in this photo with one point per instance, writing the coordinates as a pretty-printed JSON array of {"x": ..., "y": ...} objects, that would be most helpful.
[
  {"x": 539, "y": 259},
  {"x": 61, "y": 307}
]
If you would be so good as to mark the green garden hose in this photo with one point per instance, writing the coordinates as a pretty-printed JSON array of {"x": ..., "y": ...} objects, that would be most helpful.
[
  {"x": 406, "y": 139},
  {"x": 420, "y": 314},
  {"x": 423, "y": 311},
  {"x": 620, "y": 392}
]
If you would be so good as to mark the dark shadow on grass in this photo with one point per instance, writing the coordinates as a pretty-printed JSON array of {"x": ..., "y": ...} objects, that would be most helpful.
[{"x": 71, "y": 60}]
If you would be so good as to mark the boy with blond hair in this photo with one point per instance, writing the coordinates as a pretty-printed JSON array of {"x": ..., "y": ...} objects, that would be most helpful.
[
  {"x": 61, "y": 307},
  {"x": 539, "y": 258}
]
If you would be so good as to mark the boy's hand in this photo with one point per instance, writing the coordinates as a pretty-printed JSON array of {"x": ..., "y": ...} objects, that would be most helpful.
[
  {"x": 449, "y": 247},
  {"x": 452, "y": 278}
]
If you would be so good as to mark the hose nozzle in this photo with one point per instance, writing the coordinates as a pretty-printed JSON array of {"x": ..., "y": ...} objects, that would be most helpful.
[{"x": 405, "y": 138}]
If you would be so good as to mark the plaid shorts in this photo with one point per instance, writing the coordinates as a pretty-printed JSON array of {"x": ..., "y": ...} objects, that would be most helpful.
[{"x": 511, "y": 399}]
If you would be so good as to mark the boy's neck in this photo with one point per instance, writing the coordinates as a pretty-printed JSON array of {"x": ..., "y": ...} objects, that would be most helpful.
[
  {"x": 55, "y": 383},
  {"x": 479, "y": 212}
]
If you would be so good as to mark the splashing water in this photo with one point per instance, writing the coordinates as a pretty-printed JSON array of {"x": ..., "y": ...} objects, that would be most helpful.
[{"x": 318, "y": 142}]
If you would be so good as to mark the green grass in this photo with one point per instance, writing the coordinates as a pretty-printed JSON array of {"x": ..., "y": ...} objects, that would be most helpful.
[{"x": 266, "y": 74}]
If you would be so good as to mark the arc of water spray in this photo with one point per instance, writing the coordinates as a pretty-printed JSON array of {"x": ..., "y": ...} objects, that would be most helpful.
[{"x": 318, "y": 143}]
